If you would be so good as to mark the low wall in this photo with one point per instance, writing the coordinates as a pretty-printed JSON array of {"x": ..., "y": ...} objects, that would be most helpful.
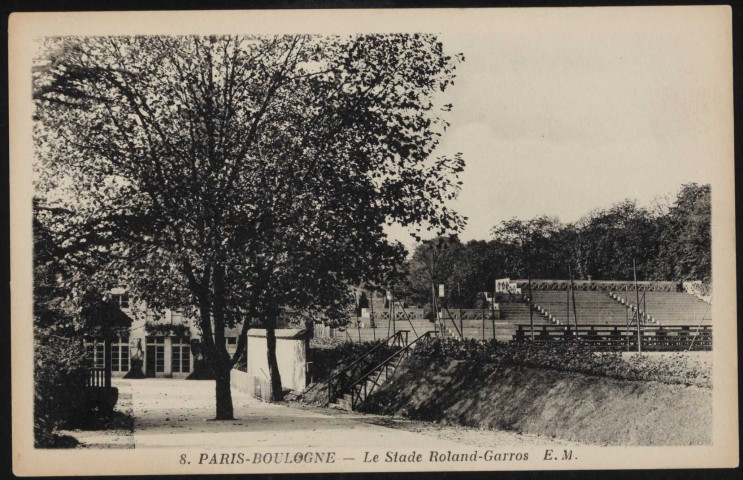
[
  {"x": 291, "y": 355},
  {"x": 258, "y": 387},
  {"x": 588, "y": 409}
]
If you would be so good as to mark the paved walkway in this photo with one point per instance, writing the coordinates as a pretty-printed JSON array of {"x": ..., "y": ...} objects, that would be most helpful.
[{"x": 171, "y": 413}]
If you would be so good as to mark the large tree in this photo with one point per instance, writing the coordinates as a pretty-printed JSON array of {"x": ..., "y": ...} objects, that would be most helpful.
[
  {"x": 530, "y": 247},
  {"x": 610, "y": 240},
  {"x": 232, "y": 177},
  {"x": 685, "y": 251},
  {"x": 432, "y": 263}
]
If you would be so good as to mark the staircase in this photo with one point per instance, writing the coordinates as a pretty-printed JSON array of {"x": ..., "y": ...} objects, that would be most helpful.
[
  {"x": 644, "y": 317},
  {"x": 361, "y": 391},
  {"x": 355, "y": 383},
  {"x": 591, "y": 307},
  {"x": 546, "y": 315}
]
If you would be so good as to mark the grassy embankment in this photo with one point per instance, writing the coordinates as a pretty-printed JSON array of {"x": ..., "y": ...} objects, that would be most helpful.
[{"x": 567, "y": 405}]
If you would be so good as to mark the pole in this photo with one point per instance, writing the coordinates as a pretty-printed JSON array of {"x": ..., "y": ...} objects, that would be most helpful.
[
  {"x": 459, "y": 307},
  {"x": 567, "y": 321},
  {"x": 107, "y": 354},
  {"x": 626, "y": 317},
  {"x": 572, "y": 289},
  {"x": 371, "y": 314},
  {"x": 492, "y": 313},
  {"x": 107, "y": 362},
  {"x": 637, "y": 309},
  {"x": 392, "y": 306},
  {"x": 531, "y": 309},
  {"x": 483, "y": 316},
  {"x": 389, "y": 314},
  {"x": 433, "y": 309}
]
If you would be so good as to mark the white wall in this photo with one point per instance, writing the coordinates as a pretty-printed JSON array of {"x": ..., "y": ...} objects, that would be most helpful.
[{"x": 291, "y": 355}]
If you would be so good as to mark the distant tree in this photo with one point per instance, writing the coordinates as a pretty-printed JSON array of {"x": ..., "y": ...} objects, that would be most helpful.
[
  {"x": 609, "y": 241},
  {"x": 478, "y": 266},
  {"x": 432, "y": 263},
  {"x": 670, "y": 242},
  {"x": 685, "y": 239},
  {"x": 232, "y": 177},
  {"x": 528, "y": 246}
]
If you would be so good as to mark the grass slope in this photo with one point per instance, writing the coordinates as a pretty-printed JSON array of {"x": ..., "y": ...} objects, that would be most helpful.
[{"x": 569, "y": 406}]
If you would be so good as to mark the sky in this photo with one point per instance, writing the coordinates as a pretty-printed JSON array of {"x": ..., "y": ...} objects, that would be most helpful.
[{"x": 563, "y": 117}]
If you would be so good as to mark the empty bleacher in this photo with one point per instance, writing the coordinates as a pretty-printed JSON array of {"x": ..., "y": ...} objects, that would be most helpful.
[
  {"x": 512, "y": 314},
  {"x": 602, "y": 307},
  {"x": 591, "y": 307},
  {"x": 671, "y": 308}
]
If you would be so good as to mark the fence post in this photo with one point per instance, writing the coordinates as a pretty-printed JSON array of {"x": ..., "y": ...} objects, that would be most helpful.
[{"x": 107, "y": 362}]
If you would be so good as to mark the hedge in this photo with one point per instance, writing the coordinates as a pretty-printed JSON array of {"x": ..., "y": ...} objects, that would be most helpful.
[
  {"x": 569, "y": 357},
  {"x": 59, "y": 386}
]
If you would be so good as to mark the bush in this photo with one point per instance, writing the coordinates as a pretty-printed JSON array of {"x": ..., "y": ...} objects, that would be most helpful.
[
  {"x": 329, "y": 356},
  {"x": 566, "y": 356},
  {"x": 59, "y": 386}
]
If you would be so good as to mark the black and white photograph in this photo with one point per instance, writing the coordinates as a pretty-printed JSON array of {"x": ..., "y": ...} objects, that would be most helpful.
[{"x": 372, "y": 240}]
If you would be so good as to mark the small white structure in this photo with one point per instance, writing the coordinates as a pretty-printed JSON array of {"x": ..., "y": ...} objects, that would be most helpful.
[
  {"x": 506, "y": 285},
  {"x": 292, "y": 346}
]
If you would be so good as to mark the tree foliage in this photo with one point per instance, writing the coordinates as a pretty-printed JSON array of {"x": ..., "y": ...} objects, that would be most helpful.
[
  {"x": 668, "y": 243},
  {"x": 233, "y": 176}
]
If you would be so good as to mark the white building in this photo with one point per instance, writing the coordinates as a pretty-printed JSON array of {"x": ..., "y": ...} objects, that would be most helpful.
[{"x": 156, "y": 344}]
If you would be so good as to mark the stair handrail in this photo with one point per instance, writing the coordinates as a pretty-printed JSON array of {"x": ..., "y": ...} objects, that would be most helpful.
[
  {"x": 453, "y": 322},
  {"x": 388, "y": 359},
  {"x": 395, "y": 336}
]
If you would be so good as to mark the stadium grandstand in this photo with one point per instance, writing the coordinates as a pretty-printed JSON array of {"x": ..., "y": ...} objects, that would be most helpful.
[{"x": 518, "y": 308}]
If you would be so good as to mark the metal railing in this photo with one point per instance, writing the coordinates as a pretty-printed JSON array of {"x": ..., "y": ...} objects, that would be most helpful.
[
  {"x": 96, "y": 377},
  {"x": 339, "y": 381},
  {"x": 605, "y": 337},
  {"x": 362, "y": 382}
]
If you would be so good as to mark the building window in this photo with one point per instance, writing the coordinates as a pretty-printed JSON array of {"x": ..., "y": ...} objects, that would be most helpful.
[
  {"x": 231, "y": 345},
  {"x": 120, "y": 355},
  {"x": 95, "y": 354},
  {"x": 158, "y": 345},
  {"x": 122, "y": 299},
  {"x": 181, "y": 355}
]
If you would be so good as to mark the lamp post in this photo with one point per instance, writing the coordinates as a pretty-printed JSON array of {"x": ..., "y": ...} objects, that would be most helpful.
[
  {"x": 391, "y": 300},
  {"x": 637, "y": 309},
  {"x": 442, "y": 294}
]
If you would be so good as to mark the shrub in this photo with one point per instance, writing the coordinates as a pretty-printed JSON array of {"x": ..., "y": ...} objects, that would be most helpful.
[
  {"x": 59, "y": 386},
  {"x": 566, "y": 356},
  {"x": 428, "y": 311},
  {"x": 329, "y": 355}
]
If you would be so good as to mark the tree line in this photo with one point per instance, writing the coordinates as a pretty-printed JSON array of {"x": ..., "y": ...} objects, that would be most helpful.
[{"x": 669, "y": 241}]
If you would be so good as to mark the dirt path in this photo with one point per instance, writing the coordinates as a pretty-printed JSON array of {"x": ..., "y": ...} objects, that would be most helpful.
[
  {"x": 456, "y": 433},
  {"x": 172, "y": 413},
  {"x": 176, "y": 413}
]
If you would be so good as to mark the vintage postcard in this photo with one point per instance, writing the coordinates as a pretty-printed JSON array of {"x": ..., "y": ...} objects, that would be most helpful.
[{"x": 372, "y": 240}]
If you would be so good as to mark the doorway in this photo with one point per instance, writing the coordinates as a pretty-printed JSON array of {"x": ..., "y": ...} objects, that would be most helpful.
[{"x": 154, "y": 359}]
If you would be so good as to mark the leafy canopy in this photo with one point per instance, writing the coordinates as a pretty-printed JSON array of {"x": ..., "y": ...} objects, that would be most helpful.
[{"x": 234, "y": 175}]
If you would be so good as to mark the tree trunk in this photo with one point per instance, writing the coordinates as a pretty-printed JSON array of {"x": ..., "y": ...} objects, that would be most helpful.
[
  {"x": 222, "y": 361},
  {"x": 273, "y": 364},
  {"x": 224, "y": 394}
]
